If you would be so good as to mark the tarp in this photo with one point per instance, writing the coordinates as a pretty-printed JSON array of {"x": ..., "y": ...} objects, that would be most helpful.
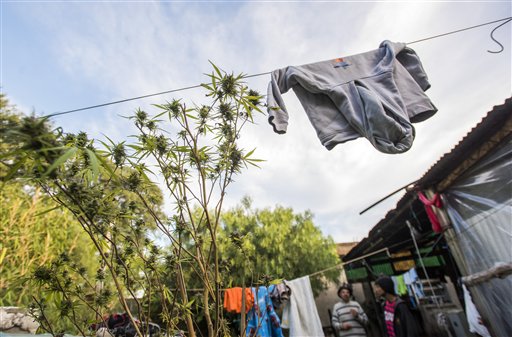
[{"x": 479, "y": 205}]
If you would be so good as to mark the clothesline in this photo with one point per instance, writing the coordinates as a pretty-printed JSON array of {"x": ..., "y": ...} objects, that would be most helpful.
[
  {"x": 506, "y": 20},
  {"x": 326, "y": 269},
  {"x": 386, "y": 249},
  {"x": 313, "y": 274},
  {"x": 323, "y": 270},
  {"x": 339, "y": 265}
]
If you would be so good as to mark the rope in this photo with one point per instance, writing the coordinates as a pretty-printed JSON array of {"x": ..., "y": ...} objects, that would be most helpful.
[
  {"x": 462, "y": 30},
  {"x": 256, "y": 75}
]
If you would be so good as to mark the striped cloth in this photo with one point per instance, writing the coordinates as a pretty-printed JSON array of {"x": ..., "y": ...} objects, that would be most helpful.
[
  {"x": 389, "y": 317},
  {"x": 341, "y": 313}
]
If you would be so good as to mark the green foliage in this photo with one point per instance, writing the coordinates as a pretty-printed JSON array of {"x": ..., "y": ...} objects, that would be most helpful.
[
  {"x": 108, "y": 257},
  {"x": 33, "y": 236},
  {"x": 269, "y": 244},
  {"x": 196, "y": 153},
  {"x": 36, "y": 232},
  {"x": 71, "y": 297}
]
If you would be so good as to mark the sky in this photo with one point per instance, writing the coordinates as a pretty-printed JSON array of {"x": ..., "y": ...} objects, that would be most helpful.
[{"x": 63, "y": 55}]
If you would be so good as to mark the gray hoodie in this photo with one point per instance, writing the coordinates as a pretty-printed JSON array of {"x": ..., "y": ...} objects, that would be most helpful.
[{"x": 376, "y": 95}]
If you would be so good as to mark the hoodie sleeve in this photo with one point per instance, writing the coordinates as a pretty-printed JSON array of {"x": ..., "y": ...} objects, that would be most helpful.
[
  {"x": 411, "y": 61},
  {"x": 277, "y": 113}
]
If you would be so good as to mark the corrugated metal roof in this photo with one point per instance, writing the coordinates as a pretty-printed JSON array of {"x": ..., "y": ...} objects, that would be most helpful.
[
  {"x": 391, "y": 230},
  {"x": 488, "y": 126}
]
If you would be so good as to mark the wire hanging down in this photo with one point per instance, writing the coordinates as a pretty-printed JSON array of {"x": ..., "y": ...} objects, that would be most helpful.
[
  {"x": 508, "y": 19},
  {"x": 492, "y": 37},
  {"x": 468, "y": 28}
]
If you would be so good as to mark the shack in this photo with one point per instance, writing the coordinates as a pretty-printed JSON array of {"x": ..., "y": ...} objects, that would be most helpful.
[{"x": 461, "y": 233}]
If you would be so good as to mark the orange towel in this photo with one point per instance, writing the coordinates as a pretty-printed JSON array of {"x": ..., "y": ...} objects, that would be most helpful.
[{"x": 233, "y": 299}]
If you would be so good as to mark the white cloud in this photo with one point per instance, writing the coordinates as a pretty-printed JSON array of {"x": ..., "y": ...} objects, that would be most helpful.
[{"x": 124, "y": 50}]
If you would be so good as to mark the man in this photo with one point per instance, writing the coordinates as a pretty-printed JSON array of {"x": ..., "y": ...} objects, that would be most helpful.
[
  {"x": 398, "y": 319},
  {"x": 348, "y": 318}
]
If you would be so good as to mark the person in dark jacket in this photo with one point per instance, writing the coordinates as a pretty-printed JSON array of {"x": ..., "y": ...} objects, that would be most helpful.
[{"x": 398, "y": 318}]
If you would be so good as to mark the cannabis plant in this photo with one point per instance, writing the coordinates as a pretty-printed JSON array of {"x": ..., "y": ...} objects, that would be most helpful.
[{"x": 147, "y": 253}]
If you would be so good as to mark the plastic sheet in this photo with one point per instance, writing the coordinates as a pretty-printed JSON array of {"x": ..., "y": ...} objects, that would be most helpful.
[{"x": 479, "y": 205}]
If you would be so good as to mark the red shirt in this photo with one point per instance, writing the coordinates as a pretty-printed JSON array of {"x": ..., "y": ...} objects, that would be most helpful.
[{"x": 389, "y": 315}]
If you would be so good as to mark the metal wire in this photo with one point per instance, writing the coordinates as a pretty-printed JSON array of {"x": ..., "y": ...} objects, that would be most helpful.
[{"x": 269, "y": 72}]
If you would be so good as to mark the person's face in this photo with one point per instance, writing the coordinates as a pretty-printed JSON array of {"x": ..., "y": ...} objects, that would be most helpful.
[
  {"x": 379, "y": 292},
  {"x": 345, "y": 295}
]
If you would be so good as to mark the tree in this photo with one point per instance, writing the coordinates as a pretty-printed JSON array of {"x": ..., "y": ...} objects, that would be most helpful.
[
  {"x": 110, "y": 193},
  {"x": 269, "y": 244},
  {"x": 35, "y": 233},
  {"x": 33, "y": 236}
]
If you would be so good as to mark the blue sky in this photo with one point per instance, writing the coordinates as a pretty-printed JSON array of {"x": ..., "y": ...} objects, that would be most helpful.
[{"x": 62, "y": 55}]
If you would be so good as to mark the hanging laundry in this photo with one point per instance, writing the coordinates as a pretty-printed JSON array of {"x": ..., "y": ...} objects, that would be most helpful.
[
  {"x": 279, "y": 294},
  {"x": 233, "y": 299},
  {"x": 401, "y": 286},
  {"x": 300, "y": 314},
  {"x": 429, "y": 208},
  {"x": 408, "y": 288},
  {"x": 395, "y": 284},
  {"x": 413, "y": 282},
  {"x": 262, "y": 319},
  {"x": 376, "y": 95},
  {"x": 407, "y": 278},
  {"x": 473, "y": 316},
  {"x": 408, "y": 283}
]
